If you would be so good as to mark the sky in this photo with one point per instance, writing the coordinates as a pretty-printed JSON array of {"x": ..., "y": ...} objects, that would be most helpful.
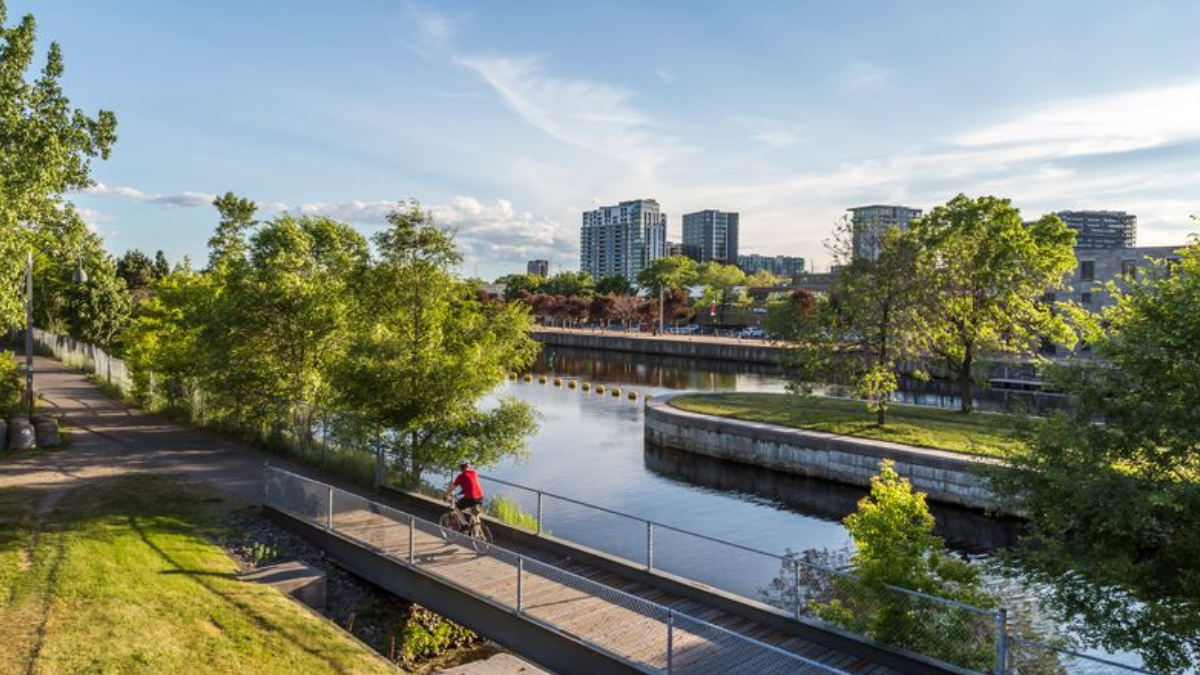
[{"x": 508, "y": 119}]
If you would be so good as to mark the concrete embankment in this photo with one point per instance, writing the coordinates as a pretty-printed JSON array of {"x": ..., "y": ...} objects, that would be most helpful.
[
  {"x": 693, "y": 347},
  {"x": 946, "y": 477}
]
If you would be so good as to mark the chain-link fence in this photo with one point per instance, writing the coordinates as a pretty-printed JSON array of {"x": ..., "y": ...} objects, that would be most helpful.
[
  {"x": 84, "y": 356},
  {"x": 1031, "y": 657},
  {"x": 608, "y": 620}
]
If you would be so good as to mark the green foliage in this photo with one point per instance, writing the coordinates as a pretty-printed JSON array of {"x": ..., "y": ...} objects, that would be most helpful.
[
  {"x": 674, "y": 272},
  {"x": 506, "y": 510},
  {"x": 985, "y": 272},
  {"x": 614, "y": 284},
  {"x": 10, "y": 383},
  {"x": 1117, "y": 501},
  {"x": 517, "y": 286},
  {"x": 764, "y": 279},
  {"x": 579, "y": 284},
  {"x": 895, "y": 547},
  {"x": 137, "y": 270},
  {"x": 46, "y": 148}
]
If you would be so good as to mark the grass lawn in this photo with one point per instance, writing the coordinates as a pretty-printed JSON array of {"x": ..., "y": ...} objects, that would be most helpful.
[
  {"x": 977, "y": 433},
  {"x": 121, "y": 577}
]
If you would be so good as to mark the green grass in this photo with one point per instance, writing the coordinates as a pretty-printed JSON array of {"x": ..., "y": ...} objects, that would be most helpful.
[
  {"x": 506, "y": 510},
  {"x": 977, "y": 433},
  {"x": 122, "y": 577}
]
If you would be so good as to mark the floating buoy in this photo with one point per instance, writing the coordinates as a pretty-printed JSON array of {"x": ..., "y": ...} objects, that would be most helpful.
[
  {"x": 599, "y": 389},
  {"x": 616, "y": 391},
  {"x": 541, "y": 379},
  {"x": 528, "y": 378},
  {"x": 558, "y": 382},
  {"x": 571, "y": 384},
  {"x": 585, "y": 386},
  {"x": 633, "y": 396}
]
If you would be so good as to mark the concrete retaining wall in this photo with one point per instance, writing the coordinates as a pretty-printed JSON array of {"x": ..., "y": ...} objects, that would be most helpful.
[
  {"x": 945, "y": 476},
  {"x": 681, "y": 346}
]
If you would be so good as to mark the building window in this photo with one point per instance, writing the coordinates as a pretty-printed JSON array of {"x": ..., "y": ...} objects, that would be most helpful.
[
  {"x": 1087, "y": 270},
  {"x": 1049, "y": 298},
  {"x": 1085, "y": 298},
  {"x": 1129, "y": 268}
]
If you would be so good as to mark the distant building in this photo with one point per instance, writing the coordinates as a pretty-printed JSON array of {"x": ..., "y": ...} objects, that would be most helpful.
[
  {"x": 1097, "y": 266},
  {"x": 870, "y": 222},
  {"x": 621, "y": 240},
  {"x": 674, "y": 249},
  {"x": 711, "y": 236},
  {"x": 1101, "y": 229},
  {"x": 538, "y": 267},
  {"x": 780, "y": 265}
]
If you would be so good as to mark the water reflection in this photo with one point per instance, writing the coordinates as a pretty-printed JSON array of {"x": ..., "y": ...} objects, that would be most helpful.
[{"x": 963, "y": 529}]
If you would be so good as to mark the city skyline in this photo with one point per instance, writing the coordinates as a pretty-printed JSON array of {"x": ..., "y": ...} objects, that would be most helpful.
[{"x": 508, "y": 122}]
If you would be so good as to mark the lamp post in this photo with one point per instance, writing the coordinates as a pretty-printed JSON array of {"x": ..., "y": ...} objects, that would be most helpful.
[{"x": 79, "y": 277}]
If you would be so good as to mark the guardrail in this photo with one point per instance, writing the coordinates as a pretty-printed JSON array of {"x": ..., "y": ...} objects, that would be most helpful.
[{"x": 648, "y": 635}]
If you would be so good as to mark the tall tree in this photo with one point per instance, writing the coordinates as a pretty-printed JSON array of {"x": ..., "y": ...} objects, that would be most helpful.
[
  {"x": 721, "y": 285},
  {"x": 517, "y": 286},
  {"x": 228, "y": 243},
  {"x": 426, "y": 351},
  {"x": 136, "y": 269},
  {"x": 664, "y": 274},
  {"x": 46, "y": 148},
  {"x": 986, "y": 273},
  {"x": 614, "y": 284},
  {"x": 161, "y": 267},
  {"x": 570, "y": 283}
]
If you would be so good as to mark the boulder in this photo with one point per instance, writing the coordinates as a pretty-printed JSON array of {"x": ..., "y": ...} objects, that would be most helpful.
[
  {"x": 21, "y": 435},
  {"x": 46, "y": 430}
]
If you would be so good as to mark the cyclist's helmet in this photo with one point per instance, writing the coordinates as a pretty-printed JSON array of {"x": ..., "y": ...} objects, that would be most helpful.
[{"x": 462, "y": 464}]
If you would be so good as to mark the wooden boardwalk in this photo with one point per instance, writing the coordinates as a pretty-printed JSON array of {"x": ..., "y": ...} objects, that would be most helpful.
[{"x": 625, "y": 618}]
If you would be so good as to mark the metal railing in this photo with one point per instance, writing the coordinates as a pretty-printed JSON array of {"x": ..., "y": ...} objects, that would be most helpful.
[
  {"x": 644, "y": 633},
  {"x": 87, "y": 357}
]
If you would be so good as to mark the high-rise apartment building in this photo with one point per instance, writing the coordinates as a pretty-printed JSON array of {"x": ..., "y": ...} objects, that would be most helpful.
[
  {"x": 539, "y": 267},
  {"x": 785, "y": 266},
  {"x": 674, "y": 248},
  {"x": 711, "y": 236},
  {"x": 1101, "y": 229},
  {"x": 622, "y": 239},
  {"x": 870, "y": 222}
]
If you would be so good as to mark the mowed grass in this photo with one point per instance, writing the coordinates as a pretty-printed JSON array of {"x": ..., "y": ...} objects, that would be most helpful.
[
  {"x": 977, "y": 433},
  {"x": 120, "y": 577}
]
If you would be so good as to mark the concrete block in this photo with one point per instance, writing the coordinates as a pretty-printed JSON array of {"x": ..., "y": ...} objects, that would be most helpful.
[
  {"x": 20, "y": 435},
  {"x": 46, "y": 432},
  {"x": 303, "y": 582}
]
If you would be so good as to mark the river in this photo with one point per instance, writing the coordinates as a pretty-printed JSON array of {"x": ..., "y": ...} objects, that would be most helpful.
[{"x": 590, "y": 447}]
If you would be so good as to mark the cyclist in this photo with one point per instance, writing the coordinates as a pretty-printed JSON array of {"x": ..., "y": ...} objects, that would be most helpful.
[{"x": 467, "y": 481}]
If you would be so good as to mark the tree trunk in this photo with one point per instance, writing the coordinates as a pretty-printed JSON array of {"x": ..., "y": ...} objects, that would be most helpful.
[{"x": 964, "y": 381}]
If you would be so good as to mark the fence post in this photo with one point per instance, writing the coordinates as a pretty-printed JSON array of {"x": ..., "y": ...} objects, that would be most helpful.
[
  {"x": 266, "y": 474},
  {"x": 329, "y": 515},
  {"x": 796, "y": 586},
  {"x": 520, "y": 570},
  {"x": 412, "y": 530},
  {"x": 539, "y": 513},
  {"x": 378, "y": 459},
  {"x": 670, "y": 641},
  {"x": 649, "y": 545},
  {"x": 1002, "y": 641}
]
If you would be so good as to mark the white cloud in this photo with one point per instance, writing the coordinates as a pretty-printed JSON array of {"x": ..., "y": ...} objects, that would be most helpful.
[
  {"x": 183, "y": 199},
  {"x": 596, "y": 116},
  {"x": 862, "y": 76},
  {"x": 772, "y": 132},
  {"x": 667, "y": 76}
]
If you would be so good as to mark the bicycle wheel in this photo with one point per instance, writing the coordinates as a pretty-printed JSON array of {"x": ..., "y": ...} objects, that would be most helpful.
[{"x": 481, "y": 538}]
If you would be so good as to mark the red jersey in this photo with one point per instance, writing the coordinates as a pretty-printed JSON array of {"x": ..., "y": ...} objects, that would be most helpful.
[{"x": 468, "y": 480}]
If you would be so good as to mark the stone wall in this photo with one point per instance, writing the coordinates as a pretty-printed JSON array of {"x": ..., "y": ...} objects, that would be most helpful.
[
  {"x": 946, "y": 477},
  {"x": 681, "y": 346}
]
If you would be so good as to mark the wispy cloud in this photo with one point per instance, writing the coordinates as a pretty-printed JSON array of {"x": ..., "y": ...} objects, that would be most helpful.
[
  {"x": 772, "y": 132},
  {"x": 862, "y": 76},
  {"x": 183, "y": 199},
  {"x": 667, "y": 76},
  {"x": 596, "y": 116},
  {"x": 425, "y": 30}
]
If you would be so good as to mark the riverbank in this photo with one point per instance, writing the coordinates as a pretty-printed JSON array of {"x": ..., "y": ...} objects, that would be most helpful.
[
  {"x": 947, "y": 477},
  {"x": 681, "y": 346}
]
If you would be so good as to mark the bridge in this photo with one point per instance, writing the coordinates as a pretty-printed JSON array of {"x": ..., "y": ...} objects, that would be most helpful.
[{"x": 568, "y": 608}]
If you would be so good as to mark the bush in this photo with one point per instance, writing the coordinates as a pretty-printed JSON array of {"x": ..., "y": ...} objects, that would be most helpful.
[
  {"x": 505, "y": 510},
  {"x": 10, "y": 384}
]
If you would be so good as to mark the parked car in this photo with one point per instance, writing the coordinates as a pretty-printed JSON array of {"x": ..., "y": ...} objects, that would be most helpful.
[
  {"x": 752, "y": 332},
  {"x": 690, "y": 329}
]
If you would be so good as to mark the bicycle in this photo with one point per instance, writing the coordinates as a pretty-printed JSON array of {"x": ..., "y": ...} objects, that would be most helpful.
[{"x": 469, "y": 523}]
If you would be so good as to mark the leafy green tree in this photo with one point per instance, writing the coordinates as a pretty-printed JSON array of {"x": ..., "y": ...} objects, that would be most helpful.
[
  {"x": 570, "y": 283},
  {"x": 664, "y": 274},
  {"x": 136, "y": 269},
  {"x": 614, "y": 284},
  {"x": 985, "y": 273},
  {"x": 46, "y": 148},
  {"x": 1117, "y": 501},
  {"x": 98, "y": 310},
  {"x": 517, "y": 286},
  {"x": 764, "y": 279},
  {"x": 425, "y": 351},
  {"x": 161, "y": 267},
  {"x": 721, "y": 287},
  {"x": 228, "y": 243}
]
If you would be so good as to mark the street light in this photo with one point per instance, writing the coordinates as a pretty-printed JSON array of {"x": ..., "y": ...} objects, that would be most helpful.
[{"x": 79, "y": 277}]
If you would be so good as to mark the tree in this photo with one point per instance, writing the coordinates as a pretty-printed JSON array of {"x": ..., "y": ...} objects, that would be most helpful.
[
  {"x": 425, "y": 351},
  {"x": 663, "y": 274},
  {"x": 227, "y": 245},
  {"x": 721, "y": 285},
  {"x": 602, "y": 308},
  {"x": 614, "y": 284},
  {"x": 46, "y": 148},
  {"x": 1116, "y": 502},
  {"x": 517, "y": 285},
  {"x": 985, "y": 272},
  {"x": 570, "y": 283},
  {"x": 764, "y": 279},
  {"x": 627, "y": 307},
  {"x": 136, "y": 269},
  {"x": 161, "y": 267},
  {"x": 878, "y": 322}
]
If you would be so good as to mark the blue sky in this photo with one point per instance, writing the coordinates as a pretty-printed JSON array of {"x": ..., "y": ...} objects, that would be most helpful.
[{"x": 509, "y": 119}]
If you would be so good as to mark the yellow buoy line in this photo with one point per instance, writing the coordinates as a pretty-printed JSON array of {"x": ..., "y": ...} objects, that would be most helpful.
[{"x": 573, "y": 384}]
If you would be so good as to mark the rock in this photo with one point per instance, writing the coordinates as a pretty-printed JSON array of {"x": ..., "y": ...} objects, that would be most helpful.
[
  {"x": 46, "y": 429},
  {"x": 303, "y": 582},
  {"x": 20, "y": 435}
]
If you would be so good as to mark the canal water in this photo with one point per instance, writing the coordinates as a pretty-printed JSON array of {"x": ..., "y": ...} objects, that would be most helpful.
[{"x": 590, "y": 448}]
